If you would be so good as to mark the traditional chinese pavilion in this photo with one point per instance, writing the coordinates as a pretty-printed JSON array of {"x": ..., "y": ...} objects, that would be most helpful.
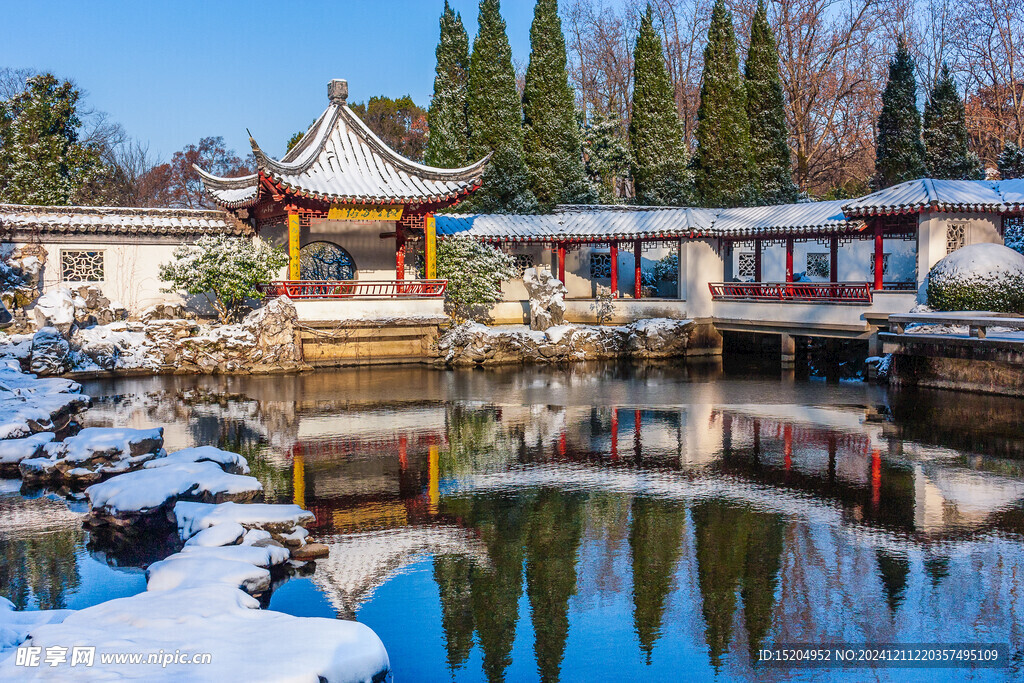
[{"x": 345, "y": 204}]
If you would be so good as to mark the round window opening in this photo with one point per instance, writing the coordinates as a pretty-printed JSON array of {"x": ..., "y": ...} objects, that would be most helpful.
[{"x": 325, "y": 261}]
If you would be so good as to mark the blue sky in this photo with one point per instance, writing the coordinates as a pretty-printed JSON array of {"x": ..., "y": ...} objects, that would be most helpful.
[{"x": 176, "y": 70}]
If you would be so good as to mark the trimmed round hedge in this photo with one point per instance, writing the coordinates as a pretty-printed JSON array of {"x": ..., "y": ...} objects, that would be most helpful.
[{"x": 978, "y": 277}]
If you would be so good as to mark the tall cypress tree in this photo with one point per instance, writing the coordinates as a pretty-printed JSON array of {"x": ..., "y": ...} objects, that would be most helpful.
[
  {"x": 767, "y": 115},
  {"x": 899, "y": 151},
  {"x": 496, "y": 119},
  {"x": 660, "y": 173},
  {"x": 723, "y": 163},
  {"x": 945, "y": 134},
  {"x": 1011, "y": 161},
  {"x": 551, "y": 131},
  {"x": 448, "y": 146}
]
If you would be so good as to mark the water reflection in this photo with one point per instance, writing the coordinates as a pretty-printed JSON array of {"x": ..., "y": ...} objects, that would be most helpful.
[{"x": 544, "y": 523}]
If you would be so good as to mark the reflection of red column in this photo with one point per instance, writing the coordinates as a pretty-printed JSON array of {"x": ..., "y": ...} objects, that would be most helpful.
[
  {"x": 727, "y": 435},
  {"x": 403, "y": 461},
  {"x": 876, "y": 478},
  {"x": 561, "y": 445},
  {"x": 757, "y": 439},
  {"x": 787, "y": 440},
  {"x": 615, "y": 433},
  {"x": 636, "y": 433}
]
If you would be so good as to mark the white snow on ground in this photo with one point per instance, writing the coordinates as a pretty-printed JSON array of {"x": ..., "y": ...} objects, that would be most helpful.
[
  {"x": 13, "y": 451},
  {"x": 15, "y": 625},
  {"x": 194, "y": 517},
  {"x": 245, "y": 643},
  {"x": 187, "y": 571},
  {"x": 29, "y": 404},
  {"x": 229, "y": 462},
  {"x": 221, "y": 534},
  {"x": 145, "y": 490},
  {"x": 261, "y": 556}
]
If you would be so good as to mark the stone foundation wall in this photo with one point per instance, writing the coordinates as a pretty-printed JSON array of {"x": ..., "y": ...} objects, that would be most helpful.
[{"x": 959, "y": 374}]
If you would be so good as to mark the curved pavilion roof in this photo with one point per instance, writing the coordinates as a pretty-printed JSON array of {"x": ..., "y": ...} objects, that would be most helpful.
[{"x": 340, "y": 160}]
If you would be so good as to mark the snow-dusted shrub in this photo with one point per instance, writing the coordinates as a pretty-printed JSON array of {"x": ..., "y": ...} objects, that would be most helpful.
[
  {"x": 474, "y": 271},
  {"x": 224, "y": 269},
  {"x": 978, "y": 277}
]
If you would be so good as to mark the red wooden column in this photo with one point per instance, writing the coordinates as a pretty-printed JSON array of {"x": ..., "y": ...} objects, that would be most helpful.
[
  {"x": 638, "y": 285},
  {"x": 561, "y": 262},
  {"x": 757, "y": 260},
  {"x": 879, "y": 261},
  {"x": 789, "y": 259},
  {"x": 833, "y": 268},
  {"x": 613, "y": 256},
  {"x": 399, "y": 252},
  {"x": 615, "y": 433}
]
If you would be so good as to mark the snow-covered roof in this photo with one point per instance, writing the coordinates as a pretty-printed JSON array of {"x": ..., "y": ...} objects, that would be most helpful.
[
  {"x": 915, "y": 196},
  {"x": 340, "y": 159},
  {"x": 19, "y": 220},
  {"x": 624, "y": 223}
]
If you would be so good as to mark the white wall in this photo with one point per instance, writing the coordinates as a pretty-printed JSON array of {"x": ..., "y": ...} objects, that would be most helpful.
[{"x": 932, "y": 233}]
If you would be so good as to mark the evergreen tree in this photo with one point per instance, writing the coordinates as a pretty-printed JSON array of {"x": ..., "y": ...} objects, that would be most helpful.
[
  {"x": 767, "y": 115},
  {"x": 42, "y": 160},
  {"x": 496, "y": 119},
  {"x": 945, "y": 134},
  {"x": 448, "y": 146},
  {"x": 551, "y": 131},
  {"x": 1011, "y": 161},
  {"x": 724, "y": 165},
  {"x": 899, "y": 151},
  {"x": 606, "y": 154},
  {"x": 660, "y": 173}
]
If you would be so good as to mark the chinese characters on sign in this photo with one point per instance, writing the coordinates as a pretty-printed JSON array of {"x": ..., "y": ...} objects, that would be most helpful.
[{"x": 364, "y": 212}]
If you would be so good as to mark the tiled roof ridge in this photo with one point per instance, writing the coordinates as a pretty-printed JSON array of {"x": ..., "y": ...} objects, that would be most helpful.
[{"x": 123, "y": 210}]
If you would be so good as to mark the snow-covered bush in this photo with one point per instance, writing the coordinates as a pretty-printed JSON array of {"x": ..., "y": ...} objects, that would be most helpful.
[
  {"x": 474, "y": 271},
  {"x": 978, "y": 277},
  {"x": 224, "y": 269}
]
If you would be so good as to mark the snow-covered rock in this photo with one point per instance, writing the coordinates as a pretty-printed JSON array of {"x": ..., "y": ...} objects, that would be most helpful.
[
  {"x": 245, "y": 642},
  {"x": 56, "y": 309},
  {"x": 15, "y": 625},
  {"x": 274, "y": 327},
  {"x": 473, "y": 343},
  {"x": 547, "y": 298},
  {"x": 49, "y": 353},
  {"x": 279, "y": 520},
  {"x": 189, "y": 571},
  {"x": 147, "y": 491},
  {"x": 265, "y": 556},
  {"x": 218, "y": 535},
  {"x": 228, "y": 461},
  {"x": 94, "y": 454},
  {"x": 29, "y": 404},
  {"x": 13, "y": 451},
  {"x": 978, "y": 277}
]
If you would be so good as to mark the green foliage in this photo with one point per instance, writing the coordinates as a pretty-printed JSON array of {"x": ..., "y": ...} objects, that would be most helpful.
[
  {"x": 400, "y": 123},
  {"x": 899, "y": 151},
  {"x": 606, "y": 155},
  {"x": 667, "y": 268},
  {"x": 1011, "y": 161},
  {"x": 945, "y": 134},
  {"x": 767, "y": 115},
  {"x": 978, "y": 277},
  {"x": 660, "y": 173},
  {"x": 474, "y": 271},
  {"x": 448, "y": 146},
  {"x": 725, "y": 174},
  {"x": 297, "y": 138},
  {"x": 224, "y": 269},
  {"x": 496, "y": 119},
  {"x": 42, "y": 160},
  {"x": 551, "y": 136}
]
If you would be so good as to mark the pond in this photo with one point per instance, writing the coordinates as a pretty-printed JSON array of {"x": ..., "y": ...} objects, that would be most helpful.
[{"x": 596, "y": 522}]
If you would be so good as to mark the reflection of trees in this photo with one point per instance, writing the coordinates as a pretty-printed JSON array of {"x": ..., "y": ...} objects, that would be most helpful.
[
  {"x": 736, "y": 547},
  {"x": 477, "y": 442},
  {"x": 453, "y": 575},
  {"x": 277, "y": 482},
  {"x": 655, "y": 542},
  {"x": 44, "y": 567},
  {"x": 556, "y": 527},
  {"x": 894, "y": 570}
]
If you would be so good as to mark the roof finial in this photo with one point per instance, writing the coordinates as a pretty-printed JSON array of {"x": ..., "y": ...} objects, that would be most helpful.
[{"x": 337, "y": 91}]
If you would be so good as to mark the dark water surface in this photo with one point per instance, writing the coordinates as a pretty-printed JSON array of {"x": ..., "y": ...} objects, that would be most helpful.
[{"x": 601, "y": 522}]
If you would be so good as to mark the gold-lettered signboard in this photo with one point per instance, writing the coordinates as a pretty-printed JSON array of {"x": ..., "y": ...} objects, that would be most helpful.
[{"x": 364, "y": 212}]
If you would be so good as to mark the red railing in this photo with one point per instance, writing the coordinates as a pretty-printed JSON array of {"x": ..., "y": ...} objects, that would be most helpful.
[
  {"x": 355, "y": 289},
  {"x": 835, "y": 292}
]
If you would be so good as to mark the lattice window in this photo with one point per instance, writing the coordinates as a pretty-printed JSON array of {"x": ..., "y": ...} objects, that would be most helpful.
[
  {"x": 818, "y": 265},
  {"x": 523, "y": 261},
  {"x": 747, "y": 265},
  {"x": 956, "y": 236},
  {"x": 82, "y": 266},
  {"x": 325, "y": 261},
  {"x": 885, "y": 264},
  {"x": 600, "y": 265}
]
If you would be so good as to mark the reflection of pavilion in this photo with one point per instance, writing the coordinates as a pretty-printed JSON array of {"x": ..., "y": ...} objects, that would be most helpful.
[{"x": 359, "y": 563}]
